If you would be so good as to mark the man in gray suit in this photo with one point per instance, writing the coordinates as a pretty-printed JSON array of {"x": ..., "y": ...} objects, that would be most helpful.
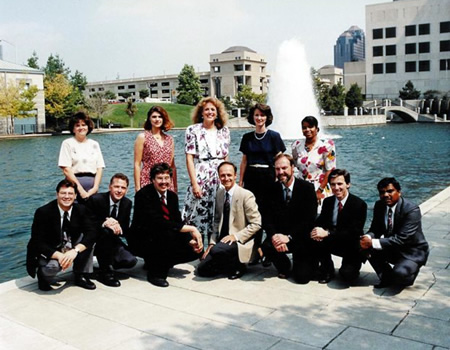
[
  {"x": 236, "y": 221},
  {"x": 395, "y": 237}
]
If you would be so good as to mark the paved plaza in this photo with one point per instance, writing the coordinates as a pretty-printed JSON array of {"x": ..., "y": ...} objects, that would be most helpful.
[{"x": 259, "y": 311}]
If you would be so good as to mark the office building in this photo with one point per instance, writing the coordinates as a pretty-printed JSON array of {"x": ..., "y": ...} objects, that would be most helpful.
[{"x": 350, "y": 47}]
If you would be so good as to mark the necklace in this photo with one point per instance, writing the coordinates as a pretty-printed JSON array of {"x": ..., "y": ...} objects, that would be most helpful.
[{"x": 261, "y": 137}]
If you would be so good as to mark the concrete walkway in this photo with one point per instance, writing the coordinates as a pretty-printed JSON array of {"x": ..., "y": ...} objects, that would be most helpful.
[{"x": 259, "y": 311}]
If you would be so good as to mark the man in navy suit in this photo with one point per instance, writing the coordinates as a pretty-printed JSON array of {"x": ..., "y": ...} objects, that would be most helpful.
[
  {"x": 339, "y": 228},
  {"x": 62, "y": 235},
  {"x": 291, "y": 219},
  {"x": 157, "y": 233},
  {"x": 395, "y": 237},
  {"x": 112, "y": 212}
]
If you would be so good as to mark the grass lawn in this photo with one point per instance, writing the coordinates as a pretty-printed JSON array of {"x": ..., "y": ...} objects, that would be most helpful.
[{"x": 180, "y": 114}]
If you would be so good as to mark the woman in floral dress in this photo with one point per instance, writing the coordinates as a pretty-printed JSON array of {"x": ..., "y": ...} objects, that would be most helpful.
[
  {"x": 154, "y": 146},
  {"x": 315, "y": 157},
  {"x": 206, "y": 146}
]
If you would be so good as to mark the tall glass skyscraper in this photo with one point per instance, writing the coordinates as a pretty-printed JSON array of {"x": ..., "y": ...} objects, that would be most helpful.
[{"x": 350, "y": 46}]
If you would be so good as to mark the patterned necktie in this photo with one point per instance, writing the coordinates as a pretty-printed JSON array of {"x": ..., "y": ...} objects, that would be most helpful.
[
  {"x": 164, "y": 208},
  {"x": 114, "y": 211},
  {"x": 225, "y": 217},
  {"x": 389, "y": 222},
  {"x": 287, "y": 195}
]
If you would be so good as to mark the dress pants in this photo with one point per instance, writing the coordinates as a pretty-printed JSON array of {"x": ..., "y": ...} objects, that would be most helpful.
[
  {"x": 404, "y": 271},
  {"x": 222, "y": 258},
  {"x": 111, "y": 251},
  {"x": 166, "y": 250}
]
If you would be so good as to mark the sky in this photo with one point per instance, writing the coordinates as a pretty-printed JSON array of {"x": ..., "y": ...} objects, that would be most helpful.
[{"x": 110, "y": 39}]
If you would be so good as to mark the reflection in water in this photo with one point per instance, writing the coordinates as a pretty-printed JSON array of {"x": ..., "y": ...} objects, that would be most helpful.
[{"x": 417, "y": 154}]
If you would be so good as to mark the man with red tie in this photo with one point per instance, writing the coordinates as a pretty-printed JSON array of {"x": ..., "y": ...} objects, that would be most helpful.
[
  {"x": 157, "y": 232},
  {"x": 339, "y": 228},
  {"x": 395, "y": 237}
]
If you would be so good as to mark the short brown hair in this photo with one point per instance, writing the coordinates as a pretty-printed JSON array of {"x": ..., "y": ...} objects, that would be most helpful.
[
  {"x": 285, "y": 155},
  {"x": 81, "y": 116},
  {"x": 265, "y": 109},
  {"x": 120, "y": 176}
]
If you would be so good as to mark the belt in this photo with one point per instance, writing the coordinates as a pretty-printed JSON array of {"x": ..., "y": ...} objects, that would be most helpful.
[
  {"x": 85, "y": 174},
  {"x": 260, "y": 165}
]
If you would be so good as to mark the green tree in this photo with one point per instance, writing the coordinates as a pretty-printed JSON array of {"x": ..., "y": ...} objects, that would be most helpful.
[
  {"x": 337, "y": 99},
  {"x": 32, "y": 62},
  {"x": 98, "y": 105},
  {"x": 246, "y": 98},
  {"x": 321, "y": 91},
  {"x": 16, "y": 101},
  {"x": 226, "y": 100},
  {"x": 78, "y": 81},
  {"x": 189, "y": 87},
  {"x": 55, "y": 65},
  {"x": 144, "y": 93},
  {"x": 109, "y": 95},
  {"x": 57, "y": 95},
  {"x": 131, "y": 110},
  {"x": 431, "y": 94},
  {"x": 353, "y": 97},
  {"x": 409, "y": 92}
]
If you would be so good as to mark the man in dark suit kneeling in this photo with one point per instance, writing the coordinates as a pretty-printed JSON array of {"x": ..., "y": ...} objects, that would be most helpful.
[
  {"x": 157, "y": 232},
  {"x": 339, "y": 228},
  {"x": 62, "y": 235},
  {"x": 395, "y": 237},
  {"x": 112, "y": 211}
]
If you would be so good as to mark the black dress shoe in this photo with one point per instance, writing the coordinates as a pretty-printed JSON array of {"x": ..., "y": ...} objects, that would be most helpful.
[
  {"x": 238, "y": 273},
  {"x": 325, "y": 277},
  {"x": 44, "y": 285},
  {"x": 84, "y": 282},
  {"x": 108, "y": 279},
  {"x": 383, "y": 284},
  {"x": 159, "y": 282},
  {"x": 265, "y": 261}
]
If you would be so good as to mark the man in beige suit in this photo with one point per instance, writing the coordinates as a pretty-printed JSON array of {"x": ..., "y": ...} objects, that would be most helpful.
[{"x": 236, "y": 221}]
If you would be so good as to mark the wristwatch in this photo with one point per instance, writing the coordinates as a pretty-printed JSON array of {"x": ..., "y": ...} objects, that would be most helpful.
[{"x": 77, "y": 250}]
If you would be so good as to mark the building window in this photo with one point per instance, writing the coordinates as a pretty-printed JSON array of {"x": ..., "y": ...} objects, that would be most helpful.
[
  {"x": 248, "y": 67},
  {"x": 444, "y": 27},
  {"x": 121, "y": 87},
  {"x": 378, "y": 68},
  {"x": 216, "y": 69},
  {"x": 153, "y": 84},
  {"x": 238, "y": 67},
  {"x": 262, "y": 69},
  {"x": 377, "y": 33},
  {"x": 410, "y": 48},
  {"x": 377, "y": 51},
  {"x": 444, "y": 64},
  {"x": 131, "y": 86},
  {"x": 204, "y": 81},
  {"x": 444, "y": 45},
  {"x": 410, "y": 66},
  {"x": 101, "y": 89},
  {"x": 165, "y": 83},
  {"x": 424, "y": 29},
  {"x": 166, "y": 91},
  {"x": 391, "y": 50},
  {"x": 424, "y": 47},
  {"x": 410, "y": 30},
  {"x": 391, "y": 67},
  {"x": 92, "y": 89},
  {"x": 390, "y": 32},
  {"x": 424, "y": 66}
]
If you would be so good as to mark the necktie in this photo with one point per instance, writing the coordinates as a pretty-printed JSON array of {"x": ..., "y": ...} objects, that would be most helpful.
[
  {"x": 287, "y": 196},
  {"x": 225, "y": 217},
  {"x": 164, "y": 208},
  {"x": 340, "y": 206},
  {"x": 65, "y": 229},
  {"x": 390, "y": 226},
  {"x": 114, "y": 211}
]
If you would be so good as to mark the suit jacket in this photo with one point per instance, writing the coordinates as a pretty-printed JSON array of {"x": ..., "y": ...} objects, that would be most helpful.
[
  {"x": 245, "y": 220},
  {"x": 407, "y": 237},
  {"x": 296, "y": 218},
  {"x": 148, "y": 221},
  {"x": 46, "y": 232},
  {"x": 99, "y": 205},
  {"x": 350, "y": 221}
]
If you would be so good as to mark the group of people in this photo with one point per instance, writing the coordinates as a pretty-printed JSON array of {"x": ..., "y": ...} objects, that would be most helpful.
[{"x": 299, "y": 204}]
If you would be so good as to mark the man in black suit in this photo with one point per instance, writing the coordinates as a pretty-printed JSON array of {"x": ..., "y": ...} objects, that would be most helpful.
[
  {"x": 62, "y": 234},
  {"x": 157, "y": 232},
  {"x": 112, "y": 212},
  {"x": 291, "y": 219},
  {"x": 339, "y": 228},
  {"x": 395, "y": 237}
]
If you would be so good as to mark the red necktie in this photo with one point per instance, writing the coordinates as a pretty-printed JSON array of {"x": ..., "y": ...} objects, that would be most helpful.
[
  {"x": 164, "y": 208},
  {"x": 340, "y": 206}
]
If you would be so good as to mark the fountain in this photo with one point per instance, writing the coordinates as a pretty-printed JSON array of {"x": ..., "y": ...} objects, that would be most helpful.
[{"x": 291, "y": 94}]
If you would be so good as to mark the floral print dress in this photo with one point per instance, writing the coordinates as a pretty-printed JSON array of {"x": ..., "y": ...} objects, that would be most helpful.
[
  {"x": 199, "y": 212},
  {"x": 313, "y": 165},
  {"x": 153, "y": 153}
]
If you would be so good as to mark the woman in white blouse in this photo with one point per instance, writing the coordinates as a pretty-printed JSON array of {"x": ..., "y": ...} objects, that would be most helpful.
[{"x": 80, "y": 158}]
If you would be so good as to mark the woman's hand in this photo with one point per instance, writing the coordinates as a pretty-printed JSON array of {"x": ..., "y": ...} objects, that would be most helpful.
[{"x": 197, "y": 190}]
